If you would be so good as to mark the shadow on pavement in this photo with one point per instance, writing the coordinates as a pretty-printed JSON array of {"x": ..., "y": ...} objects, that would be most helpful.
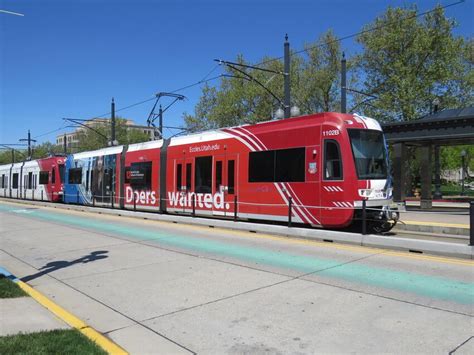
[{"x": 57, "y": 265}]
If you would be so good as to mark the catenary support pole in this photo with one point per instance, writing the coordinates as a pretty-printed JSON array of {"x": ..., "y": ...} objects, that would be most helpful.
[
  {"x": 113, "y": 122},
  {"x": 290, "y": 202},
  {"x": 343, "y": 84},
  {"x": 287, "y": 87},
  {"x": 471, "y": 224},
  {"x": 235, "y": 208}
]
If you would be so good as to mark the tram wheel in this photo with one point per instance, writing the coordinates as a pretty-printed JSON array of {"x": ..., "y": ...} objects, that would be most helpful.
[{"x": 381, "y": 227}]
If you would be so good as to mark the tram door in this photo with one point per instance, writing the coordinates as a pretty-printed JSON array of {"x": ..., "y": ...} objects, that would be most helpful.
[
  {"x": 188, "y": 184},
  {"x": 225, "y": 187},
  {"x": 185, "y": 183}
]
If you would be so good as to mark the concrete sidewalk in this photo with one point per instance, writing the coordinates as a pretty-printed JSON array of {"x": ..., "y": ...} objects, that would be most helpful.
[
  {"x": 24, "y": 314},
  {"x": 34, "y": 313},
  {"x": 445, "y": 218},
  {"x": 172, "y": 288}
]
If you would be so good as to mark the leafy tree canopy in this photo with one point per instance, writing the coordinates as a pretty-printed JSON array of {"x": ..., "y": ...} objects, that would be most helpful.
[
  {"x": 407, "y": 62},
  {"x": 100, "y": 135},
  {"x": 314, "y": 76}
]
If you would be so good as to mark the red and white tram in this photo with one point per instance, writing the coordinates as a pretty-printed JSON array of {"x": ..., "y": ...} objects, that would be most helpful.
[
  {"x": 40, "y": 179},
  {"x": 317, "y": 168}
]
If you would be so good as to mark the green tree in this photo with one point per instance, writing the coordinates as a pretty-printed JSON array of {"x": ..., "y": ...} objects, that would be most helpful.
[
  {"x": 451, "y": 157},
  {"x": 6, "y": 155},
  {"x": 314, "y": 75},
  {"x": 45, "y": 149},
  {"x": 100, "y": 135},
  {"x": 318, "y": 89},
  {"x": 409, "y": 61}
]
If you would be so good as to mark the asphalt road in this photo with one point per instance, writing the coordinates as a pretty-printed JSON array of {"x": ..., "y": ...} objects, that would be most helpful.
[{"x": 157, "y": 287}]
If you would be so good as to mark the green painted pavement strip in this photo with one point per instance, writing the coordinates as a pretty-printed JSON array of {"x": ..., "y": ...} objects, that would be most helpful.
[{"x": 429, "y": 286}]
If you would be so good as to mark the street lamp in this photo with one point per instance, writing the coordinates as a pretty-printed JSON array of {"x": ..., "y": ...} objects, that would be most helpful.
[{"x": 463, "y": 173}]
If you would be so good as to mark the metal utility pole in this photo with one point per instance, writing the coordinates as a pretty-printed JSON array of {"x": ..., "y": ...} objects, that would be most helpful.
[
  {"x": 287, "y": 98},
  {"x": 160, "y": 123},
  {"x": 343, "y": 84},
  {"x": 29, "y": 140},
  {"x": 65, "y": 144},
  {"x": 113, "y": 123},
  {"x": 13, "y": 156}
]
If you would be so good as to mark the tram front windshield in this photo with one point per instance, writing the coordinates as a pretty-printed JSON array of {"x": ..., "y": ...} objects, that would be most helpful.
[{"x": 370, "y": 153}]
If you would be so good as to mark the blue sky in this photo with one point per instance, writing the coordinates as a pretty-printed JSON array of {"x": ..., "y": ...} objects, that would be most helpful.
[{"x": 68, "y": 58}]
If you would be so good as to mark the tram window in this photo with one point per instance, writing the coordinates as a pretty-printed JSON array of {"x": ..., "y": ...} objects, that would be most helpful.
[
  {"x": 53, "y": 176},
  {"x": 107, "y": 179},
  {"x": 15, "y": 181},
  {"x": 179, "y": 177},
  {"x": 3, "y": 181},
  {"x": 75, "y": 175},
  {"x": 332, "y": 161},
  {"x": 30, "y": 181},
  {"x": 262, "y": 166},
  {"x": 44, "y": 177},
  {"x": 283, "y": 165},
  {"x": 290, "y": 165},
  {"x": 203, "y": 175},
  {"x": 218, "y": 175},
  {"x": 188, "y": 176},
  {"x": 87, "y": 180},
  {"x": 140, "y": 176},
  {"x": 61, "y": 172},
  {"x": 127, "y": 175},
  {"x": 231, "y": 176}
]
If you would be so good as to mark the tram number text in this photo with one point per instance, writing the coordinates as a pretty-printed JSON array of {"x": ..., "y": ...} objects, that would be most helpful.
[{"x": 331, "y": 132}]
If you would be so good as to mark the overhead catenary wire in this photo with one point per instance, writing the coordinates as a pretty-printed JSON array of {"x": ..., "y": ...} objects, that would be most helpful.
[
  {"x": 205, "y": 79},
  {"x": 363, "y": 32}
]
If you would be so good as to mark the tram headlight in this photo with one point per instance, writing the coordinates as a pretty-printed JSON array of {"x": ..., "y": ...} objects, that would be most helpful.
[{"x": 365, "y": 192}]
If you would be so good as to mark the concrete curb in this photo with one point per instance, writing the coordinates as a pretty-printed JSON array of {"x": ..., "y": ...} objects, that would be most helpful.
[
  {"x": 384, "y": 242},
  {"x": 109, "y": 346},
  {"x": 424, "y": 228}
]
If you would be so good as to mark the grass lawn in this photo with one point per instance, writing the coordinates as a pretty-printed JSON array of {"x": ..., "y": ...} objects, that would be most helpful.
[
  {"x": 50, "y": 342},
  {"x": 9, "y": 289}
]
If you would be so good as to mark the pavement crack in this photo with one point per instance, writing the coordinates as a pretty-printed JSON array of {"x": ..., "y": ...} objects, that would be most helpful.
[{"x": 457, "y": 347}]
